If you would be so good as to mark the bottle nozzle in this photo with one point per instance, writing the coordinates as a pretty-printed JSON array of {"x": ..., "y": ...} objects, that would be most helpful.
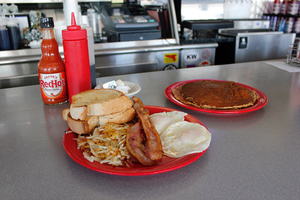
[
  {"x": 73, "y": 25},
  {"x": 73, "y": 20}
]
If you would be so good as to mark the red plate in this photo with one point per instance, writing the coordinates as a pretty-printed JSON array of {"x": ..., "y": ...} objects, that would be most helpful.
[
  {"x": 261, "y": 102},
  {"x": 167, "y": 163}
]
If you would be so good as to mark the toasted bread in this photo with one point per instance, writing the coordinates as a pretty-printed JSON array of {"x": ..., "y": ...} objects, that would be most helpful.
[
  {"x": 98, "y": 102},
  {"x": 118, "y": 118},
  {"x": 82, "y": 126},
  {"x": 89, "y": 124},
  {"x": 98, "y": 107},
  {"x": 65, "y": 113},
  {"x": 79, "y": 113}
]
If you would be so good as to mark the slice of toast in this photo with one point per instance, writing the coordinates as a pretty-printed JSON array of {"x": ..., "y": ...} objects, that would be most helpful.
[
  {"x": 65, "y": 113},
  {"x": 89, "y": 124},
  {"x": 118, "y": 118},
  {"x": 83, "y": 126},
  {"x": 98, "y": 102}
]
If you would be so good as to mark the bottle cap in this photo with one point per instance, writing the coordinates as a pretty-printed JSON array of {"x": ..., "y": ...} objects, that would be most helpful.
[
  {"x": 46, "y": 22},
  {"x": 74, "y": 32},
  {"x": 11, "y": 22}
]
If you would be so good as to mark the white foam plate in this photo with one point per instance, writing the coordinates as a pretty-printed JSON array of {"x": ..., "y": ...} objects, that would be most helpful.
[{"x": 134, "y": 88}]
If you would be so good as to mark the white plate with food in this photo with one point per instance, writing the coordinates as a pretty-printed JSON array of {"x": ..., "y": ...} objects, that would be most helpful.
[{"x": 128, "y": 88}]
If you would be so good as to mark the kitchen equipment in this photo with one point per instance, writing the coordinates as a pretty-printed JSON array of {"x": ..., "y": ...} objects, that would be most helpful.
[
  {"x": 161, "y": 15},
  {"x": 255, "y": 44},
  {"x": 205, "y": 32},
  {"x": 196, "y": 34},
  {"x": 129, "y": 22},
  {"x": 251, "y": 23}
]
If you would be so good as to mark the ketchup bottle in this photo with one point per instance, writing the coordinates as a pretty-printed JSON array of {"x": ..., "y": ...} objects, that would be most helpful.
[
  {"x": 51, "y": 67},
  {"x": 76, "y": 53}
]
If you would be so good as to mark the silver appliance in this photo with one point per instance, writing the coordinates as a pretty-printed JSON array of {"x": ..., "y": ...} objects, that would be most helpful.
[
  {"x": 129, "y": 22},
  {"x": 251, "y": 23},
  {"x": 256, "y": 44},
  {"x": 203, "y": 32}
]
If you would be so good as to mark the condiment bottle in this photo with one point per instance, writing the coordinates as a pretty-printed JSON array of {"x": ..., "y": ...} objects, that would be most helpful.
[
  {"x": 276, "y": 7},
  {"x": 51, "y": 67},
  {"x": 4, "y": 39},
  {"x": 76, "y": 54},
  {"x": 293, "y": 7},
  {"x": 4, "y": 36},
  {"x": 14, "y": 33},
  {"x": 284, "y": 7}
]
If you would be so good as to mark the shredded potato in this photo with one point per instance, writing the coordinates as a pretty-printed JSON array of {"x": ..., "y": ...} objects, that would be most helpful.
[{"x": 106, "y": 145}]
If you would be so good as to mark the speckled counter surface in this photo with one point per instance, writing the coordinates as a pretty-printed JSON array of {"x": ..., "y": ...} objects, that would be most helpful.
[{"x": 253, "y": 155}]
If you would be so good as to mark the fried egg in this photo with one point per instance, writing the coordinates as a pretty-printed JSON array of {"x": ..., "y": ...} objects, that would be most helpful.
[
  {"x": 163, "y": 120},
  {"x": 183, "y": 138}
]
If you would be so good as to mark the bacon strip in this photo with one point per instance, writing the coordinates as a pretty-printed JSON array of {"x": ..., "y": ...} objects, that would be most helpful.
[
  {"x": 153, "y": 146},
  {"x": 134, "y": 144}
]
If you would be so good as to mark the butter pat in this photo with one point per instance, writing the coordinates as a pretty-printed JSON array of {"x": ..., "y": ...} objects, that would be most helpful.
[
  {"x": 125, "y": 89},
  {"x": 110, "y": 85},
  {"x": 119, "y": 82},
  {"x": 117, "y": 85}
]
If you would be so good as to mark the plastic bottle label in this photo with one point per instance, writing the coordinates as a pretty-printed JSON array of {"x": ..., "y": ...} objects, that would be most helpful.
[
  {"x": 293, "y": 8},
  {"x": 53, "y": 85},
  {"x": 283, "y": 9},
  {"x": 276, "y": 8}
]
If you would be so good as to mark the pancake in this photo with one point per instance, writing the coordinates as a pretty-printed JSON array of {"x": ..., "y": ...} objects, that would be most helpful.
[{"x": 211, "y": 94}]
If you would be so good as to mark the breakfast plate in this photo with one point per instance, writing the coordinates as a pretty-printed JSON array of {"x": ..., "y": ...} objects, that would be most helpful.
[
  {"x": 134, "y": 88},
  {"x": 261, "y": 102},
  {"x": 167, "y": 163}
]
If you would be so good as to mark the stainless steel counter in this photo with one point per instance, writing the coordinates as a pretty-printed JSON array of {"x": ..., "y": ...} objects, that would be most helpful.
[{"x": 252, "y": 156}]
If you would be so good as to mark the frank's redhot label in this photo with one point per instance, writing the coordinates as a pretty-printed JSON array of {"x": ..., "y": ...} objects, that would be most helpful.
[{"x": 53, "y": 85}]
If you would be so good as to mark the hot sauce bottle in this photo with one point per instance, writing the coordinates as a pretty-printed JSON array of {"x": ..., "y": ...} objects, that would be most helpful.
[{"x": 51, "y": 67}]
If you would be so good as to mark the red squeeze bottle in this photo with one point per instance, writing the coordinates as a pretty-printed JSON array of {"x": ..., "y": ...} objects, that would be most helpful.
[{"x": 76, "y": 54}]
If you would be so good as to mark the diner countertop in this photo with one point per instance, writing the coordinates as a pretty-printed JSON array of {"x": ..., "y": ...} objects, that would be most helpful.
[{"x": 253, "y": 155}]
